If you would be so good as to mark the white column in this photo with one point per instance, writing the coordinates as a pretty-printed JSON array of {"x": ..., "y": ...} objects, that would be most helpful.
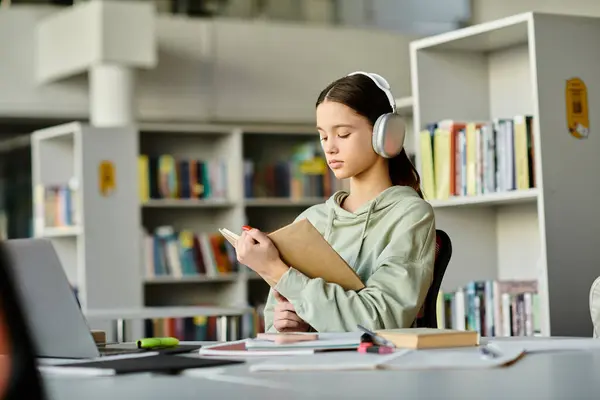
[{"x": 112, "y": 95}]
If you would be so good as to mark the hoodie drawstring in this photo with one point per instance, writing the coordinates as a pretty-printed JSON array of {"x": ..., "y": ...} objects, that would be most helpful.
[
  {"x": 328, "y": 228},
  {"x": 363, "y": 234}
]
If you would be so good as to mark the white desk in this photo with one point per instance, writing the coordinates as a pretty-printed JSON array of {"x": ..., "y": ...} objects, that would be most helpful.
[
  {"x": 227, "y": 325},
  {"x": 558, "y": 375}
]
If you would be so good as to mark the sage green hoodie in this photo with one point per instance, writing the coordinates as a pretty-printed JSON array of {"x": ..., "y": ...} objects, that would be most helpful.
[{"x": 389, "y": 242}]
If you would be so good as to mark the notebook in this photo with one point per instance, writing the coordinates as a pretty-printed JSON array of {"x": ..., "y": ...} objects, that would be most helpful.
[
  {"x": 162, "y": 363},
  {"x": 429, "y": 338},
  {"x": 326, "y": 342},
  {"x": 303, "y": 247}
]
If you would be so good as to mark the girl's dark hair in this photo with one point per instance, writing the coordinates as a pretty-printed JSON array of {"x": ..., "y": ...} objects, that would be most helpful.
[{"x": 361, "y": 94}]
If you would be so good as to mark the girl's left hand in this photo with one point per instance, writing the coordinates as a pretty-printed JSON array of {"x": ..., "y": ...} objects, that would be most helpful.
[{"x": 257, "y": 251}]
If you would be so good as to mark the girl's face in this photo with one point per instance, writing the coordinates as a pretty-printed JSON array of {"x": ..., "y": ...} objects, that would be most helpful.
[{"x": 346, "y": 139}]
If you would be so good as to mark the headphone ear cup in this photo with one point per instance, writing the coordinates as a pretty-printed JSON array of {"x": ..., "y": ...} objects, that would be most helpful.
[{"x": 389, "y": 133}]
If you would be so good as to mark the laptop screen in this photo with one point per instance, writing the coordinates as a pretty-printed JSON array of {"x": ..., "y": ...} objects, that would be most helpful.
[{"x": 58, "y": 326}]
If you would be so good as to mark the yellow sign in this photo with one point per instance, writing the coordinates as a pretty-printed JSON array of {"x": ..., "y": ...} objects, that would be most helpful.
[
  {"x": 578, "y": 120},
  {"x": 106, "y": 178}
]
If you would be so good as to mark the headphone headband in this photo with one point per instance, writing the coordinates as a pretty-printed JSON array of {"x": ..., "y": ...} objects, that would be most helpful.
[{"x": 381, "y": 84}]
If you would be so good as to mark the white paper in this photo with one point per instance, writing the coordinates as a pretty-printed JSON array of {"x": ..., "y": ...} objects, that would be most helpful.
[
  {"x": 330, "y": 361},
  {"x": 455, "y": 358}
]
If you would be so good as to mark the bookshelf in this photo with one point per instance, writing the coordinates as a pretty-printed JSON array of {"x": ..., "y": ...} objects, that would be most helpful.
[
  {"x": 263, "y": 186},
  {"x": 91, "y": 228},
  {"x": 517, "y": 200}
]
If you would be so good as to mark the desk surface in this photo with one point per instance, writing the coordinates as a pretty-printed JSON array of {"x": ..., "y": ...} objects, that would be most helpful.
[{"x": 556, "y": 375}]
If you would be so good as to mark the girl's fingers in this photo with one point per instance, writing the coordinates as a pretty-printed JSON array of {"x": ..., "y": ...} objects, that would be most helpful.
[
  {"x": 280, "y": 307},
  {"x": 279, "y": 296}
]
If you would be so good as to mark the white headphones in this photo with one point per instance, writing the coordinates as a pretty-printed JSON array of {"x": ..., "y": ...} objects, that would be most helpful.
[{"x": 389, "y": 130}]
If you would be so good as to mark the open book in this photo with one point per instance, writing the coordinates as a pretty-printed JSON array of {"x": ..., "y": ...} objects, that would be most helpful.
[{"x": 302, "y": 247}]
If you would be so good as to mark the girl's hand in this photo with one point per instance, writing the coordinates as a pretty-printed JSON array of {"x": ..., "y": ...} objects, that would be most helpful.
[
  {"x": 285, "y": 318},
  {"x": 258, "y": 252}
]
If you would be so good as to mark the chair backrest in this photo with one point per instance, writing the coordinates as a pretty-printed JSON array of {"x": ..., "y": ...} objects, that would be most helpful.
[
  {"x": 595, "y": 307},
  {"x": 443, "y": 253}
]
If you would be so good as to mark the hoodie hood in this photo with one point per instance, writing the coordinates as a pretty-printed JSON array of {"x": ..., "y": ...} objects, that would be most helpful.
[{"x": 338, "y": 217}]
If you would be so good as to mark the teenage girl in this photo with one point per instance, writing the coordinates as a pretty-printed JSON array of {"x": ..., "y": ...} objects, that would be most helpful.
[{"x": 383, "y": 228}]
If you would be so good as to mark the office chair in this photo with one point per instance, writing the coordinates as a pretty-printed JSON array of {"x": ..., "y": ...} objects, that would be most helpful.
[
  {"x": 24, "y": 381},
  {"x": 427, "y": 317}
]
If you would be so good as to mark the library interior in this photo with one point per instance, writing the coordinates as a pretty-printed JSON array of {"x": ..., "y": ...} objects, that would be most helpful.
[{"x": 155, "y": 153}]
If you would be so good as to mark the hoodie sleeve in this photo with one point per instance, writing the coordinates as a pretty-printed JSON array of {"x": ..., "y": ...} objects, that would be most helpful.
[{"x": 393, "y": 294}]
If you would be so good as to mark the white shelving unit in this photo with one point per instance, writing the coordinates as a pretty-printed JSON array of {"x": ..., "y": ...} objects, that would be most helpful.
[
  {"x": 94, "y": 234},
  {"x": 514, "y": 66},
  {"x": 268, "y": 143}
]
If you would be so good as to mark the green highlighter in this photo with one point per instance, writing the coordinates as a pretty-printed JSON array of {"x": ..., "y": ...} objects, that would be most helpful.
[{"x": 158, "y": 342}]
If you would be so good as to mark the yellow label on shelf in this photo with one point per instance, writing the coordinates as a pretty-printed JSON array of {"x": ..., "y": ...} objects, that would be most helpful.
[
  {"x": 578, "y": 120},
  {"x": 106, "y": 178}
]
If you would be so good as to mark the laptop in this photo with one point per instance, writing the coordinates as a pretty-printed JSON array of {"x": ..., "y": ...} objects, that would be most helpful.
[{"x": 58, "y": 327}]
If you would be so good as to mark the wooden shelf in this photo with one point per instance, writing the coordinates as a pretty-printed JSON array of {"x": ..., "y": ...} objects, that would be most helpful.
[{"x": 489, "y": 200}]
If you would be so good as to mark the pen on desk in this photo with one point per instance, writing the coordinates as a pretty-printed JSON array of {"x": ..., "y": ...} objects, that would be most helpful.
[{"x": 376, "y": 338}]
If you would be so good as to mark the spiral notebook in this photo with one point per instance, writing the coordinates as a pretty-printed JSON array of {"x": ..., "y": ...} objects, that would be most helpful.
[{"x": 302, "y": 247}]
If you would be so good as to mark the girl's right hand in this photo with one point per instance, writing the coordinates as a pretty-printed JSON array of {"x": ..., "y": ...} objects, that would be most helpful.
[{"x": 285, "y": 318}]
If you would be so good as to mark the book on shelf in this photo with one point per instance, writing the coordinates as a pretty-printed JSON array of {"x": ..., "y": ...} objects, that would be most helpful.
[
  {"x": 302, "y": 246},
  {"x": 196, "y": 328},
  {"x": 492, "y": 308},
  {"x": 168, "y": 252},
  {"x": 56, "y": 205},
  {"x": 169, "y": 177},
  {"x": 200, "y": 327},
  {"x": 301, "y": 175},
  {"x": 470, "y": 158}
]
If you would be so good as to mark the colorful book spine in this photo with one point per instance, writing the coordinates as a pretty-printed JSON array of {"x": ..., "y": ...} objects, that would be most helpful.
[
  {"x": 493, "y": 308},
  {"x": 467, "y": 158},
  {"x": 168, "y": 177}
]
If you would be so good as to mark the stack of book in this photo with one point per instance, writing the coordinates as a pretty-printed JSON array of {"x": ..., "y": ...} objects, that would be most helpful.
[{"x": 468, "y": 158}]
